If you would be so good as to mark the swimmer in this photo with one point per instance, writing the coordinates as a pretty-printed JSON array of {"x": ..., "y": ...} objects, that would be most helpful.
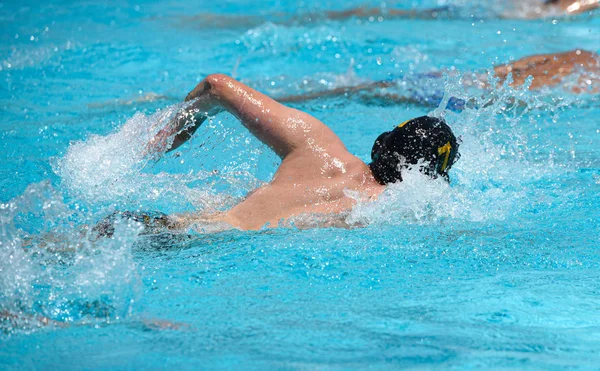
[
  {"x": 211, "y": 20},
  {"x": 516, "y": 9},
  {"x": 317, "y": 174},
  {"x": 546, "y": 70},
  {"x": 555, "y": 8}
]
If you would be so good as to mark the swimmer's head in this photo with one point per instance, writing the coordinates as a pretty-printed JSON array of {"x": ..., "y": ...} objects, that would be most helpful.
[{"x": 427, "y": 141}]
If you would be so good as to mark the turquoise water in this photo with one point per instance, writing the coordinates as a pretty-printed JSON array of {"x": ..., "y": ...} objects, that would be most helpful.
[{"x": 499, "y": 270}]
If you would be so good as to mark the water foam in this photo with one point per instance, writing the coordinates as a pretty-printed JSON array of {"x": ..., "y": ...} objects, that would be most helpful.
[
  {"x": 497, "y": 172},
  {"x": 53, "y": 269},
  {"x": 116, "y": 170}
]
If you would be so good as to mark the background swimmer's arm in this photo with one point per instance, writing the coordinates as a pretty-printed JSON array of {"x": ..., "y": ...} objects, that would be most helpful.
[
  {"x": 336, "y": 92},
  {"x": 284, "y": 129},
  {"x": 391, "y": 13}
]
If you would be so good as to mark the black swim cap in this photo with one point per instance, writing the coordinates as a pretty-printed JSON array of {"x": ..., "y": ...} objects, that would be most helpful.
[{"x": 426, "y": 139}]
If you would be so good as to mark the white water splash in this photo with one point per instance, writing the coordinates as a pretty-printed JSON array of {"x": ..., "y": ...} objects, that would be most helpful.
[
  {"x": 53, "y": 269},
  {"x": 492, "y": 178},
  {"x": 96, "y": 168},
  {"x": 111, "y": 169}
]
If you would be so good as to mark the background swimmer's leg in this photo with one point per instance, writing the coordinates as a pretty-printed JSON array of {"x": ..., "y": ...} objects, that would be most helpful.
[
  {"x": 10, "y": 321},
  {"x": 161, "y": 324}
]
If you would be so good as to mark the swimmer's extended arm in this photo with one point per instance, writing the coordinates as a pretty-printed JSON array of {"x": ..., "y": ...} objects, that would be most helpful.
[
  {"x": 390, "y": 13},
  {"x": 284, "y": 129}
]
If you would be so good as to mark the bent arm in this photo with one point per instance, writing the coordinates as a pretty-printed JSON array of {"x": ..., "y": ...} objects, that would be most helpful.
[
  {"x": 284, "y": 129},
  {"x": 183, "y": 126}
]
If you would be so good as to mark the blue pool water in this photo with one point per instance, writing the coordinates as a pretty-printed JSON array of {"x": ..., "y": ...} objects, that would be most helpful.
[{"x": 501, "y": 269}]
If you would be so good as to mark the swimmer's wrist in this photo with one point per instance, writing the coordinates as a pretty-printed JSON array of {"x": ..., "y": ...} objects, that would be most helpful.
[{"x": 201, "y": 89}]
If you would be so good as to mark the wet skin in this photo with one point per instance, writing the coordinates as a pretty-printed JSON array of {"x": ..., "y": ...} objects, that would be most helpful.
[{"x": 316, "y": 169}]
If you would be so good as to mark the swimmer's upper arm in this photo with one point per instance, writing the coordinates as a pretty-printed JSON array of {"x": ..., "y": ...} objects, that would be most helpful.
[{"x": 284, "y": 129}]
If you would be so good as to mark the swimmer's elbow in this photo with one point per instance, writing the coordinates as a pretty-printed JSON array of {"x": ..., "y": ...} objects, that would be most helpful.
[
  {"x": 218, "y": 82},
  {"x": 211, "y": 85},
  {"x": 227, "y": 92}
]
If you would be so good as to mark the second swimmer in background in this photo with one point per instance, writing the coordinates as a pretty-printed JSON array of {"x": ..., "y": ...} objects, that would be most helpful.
[
  {"x": 515, "y": 9},
  {"x": 546, "y": 70}
]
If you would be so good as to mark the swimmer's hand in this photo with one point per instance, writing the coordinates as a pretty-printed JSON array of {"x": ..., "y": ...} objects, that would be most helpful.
[{"x": 184, "y": 124}]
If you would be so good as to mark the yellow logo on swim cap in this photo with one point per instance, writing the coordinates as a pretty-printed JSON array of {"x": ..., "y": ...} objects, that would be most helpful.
[
  {"x": 404, "y": 123},
  {"x": 445, "y": 149}
]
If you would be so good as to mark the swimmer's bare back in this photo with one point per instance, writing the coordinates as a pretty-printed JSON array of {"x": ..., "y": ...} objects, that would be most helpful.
[{"x": 316, "y": 169}]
